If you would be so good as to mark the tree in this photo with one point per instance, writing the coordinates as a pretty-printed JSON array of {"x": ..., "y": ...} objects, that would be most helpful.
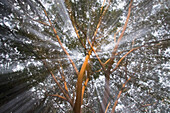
[{"x": 86, "y": 25}]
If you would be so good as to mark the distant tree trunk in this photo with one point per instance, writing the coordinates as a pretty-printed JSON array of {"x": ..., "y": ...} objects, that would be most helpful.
[{"x": 106, "y": 94}]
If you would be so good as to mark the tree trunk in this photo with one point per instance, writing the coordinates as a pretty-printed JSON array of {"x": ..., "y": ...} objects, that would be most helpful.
[
  {"x": 77, "y": 106},
  {"x": 106, "y": 94}
]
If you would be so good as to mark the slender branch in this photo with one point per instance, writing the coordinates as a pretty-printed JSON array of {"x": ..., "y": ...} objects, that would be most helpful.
[
  {"x": 40, "y": 22},
  {"x": 65, "y": 94},
  {"x": 119, "y": 39},
  {"x": 102, "y": 5},
  {"x": 129, "y": 51},
  {"x": 83, "y": 89},
  {"x": 116, "y": 34},
  {"x": 101, "y": 63},
  {"x": 133, "y": 49},
  {"x": 146, "y": 105},
  {"x": 100, "y": 20},
  {"x": 56, "y": 81},
  {"x": 62, "y": 75},
  {"x": 65, "y": 83},
  {"x": 107, "y": 107},
  {"x": 109, "y": 60},
  {"x": 124, "y": 28},
  {"x": 75, "y": 24},
  {"x": 120, "y": 92},
  {"x": 55, "y": 32},
  {"x": 55, "y": 95},
  {"x": 118, "y": 63}
]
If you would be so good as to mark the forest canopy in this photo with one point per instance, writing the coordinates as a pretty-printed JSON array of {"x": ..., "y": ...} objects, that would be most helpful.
[{"x": 86, "y": 56}]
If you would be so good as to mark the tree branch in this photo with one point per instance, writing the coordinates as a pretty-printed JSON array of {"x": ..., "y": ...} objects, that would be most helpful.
[
  {"x": 120, "y": 92},
  {"x": 83, "y": 89},
  {"x": 56, "y": 95},
  {"x": 119, "y": 39},
  {"x": 101, "y": 63},
  {"x": 107, "y": 107},
  {"x": 55, "y": 32},
  {"x": 118, "y": 63},
  {"x": 100, "y": 20}
]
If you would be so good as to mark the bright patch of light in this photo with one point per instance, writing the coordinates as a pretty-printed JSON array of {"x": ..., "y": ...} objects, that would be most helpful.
[
  {"x": 121, "y": 5},
  {"x": 77, "y": 55},
  {"x": 164, "y": 81},
  {"x": 119, "y": 107},
  {"x": 143, "y": 83},
  {"x": 33, "y": 89},
  {"x": 133, "y": 63},
  {"x": 108, "y": 47},
  {"x": 167, "y": 52},
  {"x": 155, "y": 33},
  {"x": 166, "y": 66},
  {"x": 102, "y": 78},
  {"x": 18, "y": 68},
  {"x": 156, "y": 8}
]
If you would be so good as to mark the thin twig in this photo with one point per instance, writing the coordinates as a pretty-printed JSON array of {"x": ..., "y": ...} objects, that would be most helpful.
[
  {"x": 40, "y": 22},
  {"x": 75, "y": 24},
  {"x": 116, "y": 34},
  {"x": 100, "y": 20},
  {"x": 62, "y": 75},
  {"x": 56, "y": 95},
  {"x": 65, "y": 94}
]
